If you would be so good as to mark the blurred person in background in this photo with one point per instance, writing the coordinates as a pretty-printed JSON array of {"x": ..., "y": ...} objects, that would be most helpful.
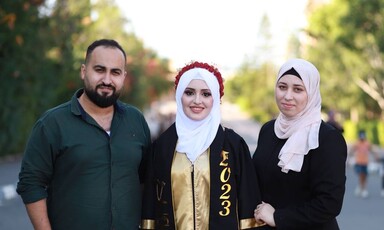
[
  {"x": 300, "y": 159},
  {"x": 83, "y": 163},
  {"x": 361, "y": 151},
  {"x": 382, "y": 175},
  {"x": 332, "y": 121}
]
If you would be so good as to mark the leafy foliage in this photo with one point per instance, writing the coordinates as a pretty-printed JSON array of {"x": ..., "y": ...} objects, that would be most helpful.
[
  {"x": 24, "y": 69},
  {"x": 41, "y": 49},
  {"x": 253, "y": 89},
  {"x": 345, "y": 40},
  {"x": 347, "y": 44}
]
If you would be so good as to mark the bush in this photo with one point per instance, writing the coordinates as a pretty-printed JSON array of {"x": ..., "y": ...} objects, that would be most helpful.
[{"x": 374, "y": 130}]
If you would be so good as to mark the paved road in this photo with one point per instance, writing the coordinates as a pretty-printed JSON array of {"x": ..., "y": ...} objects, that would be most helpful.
[
  {"x": 12, "y": 211},
  {"x": 357, "y": 213}
]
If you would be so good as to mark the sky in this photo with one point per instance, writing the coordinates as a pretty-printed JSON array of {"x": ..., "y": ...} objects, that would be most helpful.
[{"x": 220, "y": 32}]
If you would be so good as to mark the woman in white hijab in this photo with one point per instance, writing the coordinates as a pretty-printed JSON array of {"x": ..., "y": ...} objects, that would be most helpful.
[
  {"x": 300, "y": 160},
  {"x": 201, "y": 174}
]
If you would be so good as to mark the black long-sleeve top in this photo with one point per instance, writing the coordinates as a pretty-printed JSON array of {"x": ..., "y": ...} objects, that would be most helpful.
[{"x": 312, "y": 198}]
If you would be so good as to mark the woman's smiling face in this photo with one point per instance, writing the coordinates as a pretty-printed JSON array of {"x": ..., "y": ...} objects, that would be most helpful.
[
  {"x": 291, "y": 95},
  {"x": 197, "y": 100}
]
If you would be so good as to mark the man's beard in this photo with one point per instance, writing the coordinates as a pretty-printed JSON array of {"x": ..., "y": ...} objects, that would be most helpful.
[{"x": 102, "y": 101}]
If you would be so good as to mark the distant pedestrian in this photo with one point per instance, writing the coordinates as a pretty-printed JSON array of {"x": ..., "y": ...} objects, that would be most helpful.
[
  {"x": 361, "y": 151},
  {"x": 332, "y": 121},
  {"x": 382, "y": 175}
]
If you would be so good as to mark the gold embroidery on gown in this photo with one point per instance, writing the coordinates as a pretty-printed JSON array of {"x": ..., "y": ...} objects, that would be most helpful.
[{"x": 191, "y": 202}]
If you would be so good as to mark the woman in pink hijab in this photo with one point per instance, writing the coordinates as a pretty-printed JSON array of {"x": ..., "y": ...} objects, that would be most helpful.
[{"x": 300, "y": 160}]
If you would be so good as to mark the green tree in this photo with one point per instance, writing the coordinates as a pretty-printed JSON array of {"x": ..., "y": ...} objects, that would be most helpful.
[
  {"x": 24, "y": 70},
  {"x": 41, "y": 49},
  {"x": 253, "y": 89},
  {"x": 347, "y": 44}
]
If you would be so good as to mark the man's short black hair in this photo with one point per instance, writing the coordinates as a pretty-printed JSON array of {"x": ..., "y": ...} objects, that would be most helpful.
[{"x": 106, "y": 43}]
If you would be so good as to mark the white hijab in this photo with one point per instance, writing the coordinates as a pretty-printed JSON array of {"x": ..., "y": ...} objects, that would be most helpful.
[
  {"x": 196, "y": 136},
  {"x": 302, "y": 130}
]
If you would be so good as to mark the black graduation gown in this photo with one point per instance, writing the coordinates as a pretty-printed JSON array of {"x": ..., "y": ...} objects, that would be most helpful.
[{"x": 243, "y": 196}]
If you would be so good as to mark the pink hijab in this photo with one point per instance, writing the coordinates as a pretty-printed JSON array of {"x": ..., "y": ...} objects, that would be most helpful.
[{"x": 302, "y": 131}]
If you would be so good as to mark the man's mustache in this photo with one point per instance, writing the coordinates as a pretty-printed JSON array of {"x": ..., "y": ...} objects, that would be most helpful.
[{"x": 106, "y": 86}]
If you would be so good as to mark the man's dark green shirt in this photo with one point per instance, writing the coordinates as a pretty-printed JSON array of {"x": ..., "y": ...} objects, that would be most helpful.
[{"x": 91, "y": 179}]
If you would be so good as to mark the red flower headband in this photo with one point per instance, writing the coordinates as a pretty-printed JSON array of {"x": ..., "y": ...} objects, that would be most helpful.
[{"x": 202, "y": 65}]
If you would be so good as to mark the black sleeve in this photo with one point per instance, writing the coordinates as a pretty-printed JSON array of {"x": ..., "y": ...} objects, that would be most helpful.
[
  {"x": 149, "y": 195},
  {"x": 327, "y": 186},
  {"x": 146, "y": 152}
]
